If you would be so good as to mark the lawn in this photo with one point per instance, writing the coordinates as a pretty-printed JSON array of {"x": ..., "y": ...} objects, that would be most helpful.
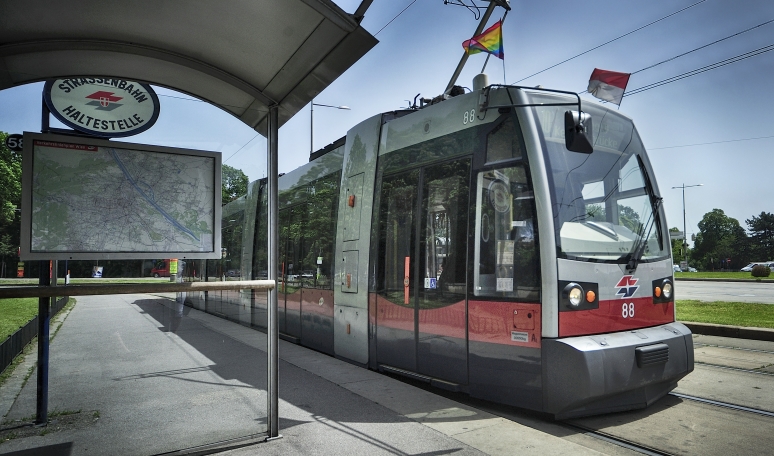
[
  {"x": 15, "y": 313},
  {"x": 726, "y": 313},
  {"x": 718, "y": 275}
]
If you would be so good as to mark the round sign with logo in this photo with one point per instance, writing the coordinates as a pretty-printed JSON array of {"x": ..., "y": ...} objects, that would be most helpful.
[{"x": 105, "y": 107}]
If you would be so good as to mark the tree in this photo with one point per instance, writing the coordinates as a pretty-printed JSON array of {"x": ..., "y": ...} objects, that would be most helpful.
[
  {"x": 762, "y": 235},
  {"x": 234, "y": 183},
  {"x": 719, "y": 237},
  {"x": 10, "y": 201},
  {"x": 677, "y": 246}
]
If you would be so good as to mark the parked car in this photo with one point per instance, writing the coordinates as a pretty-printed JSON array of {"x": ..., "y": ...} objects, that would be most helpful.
[
  {"x": 749, "y": 267},
  {"x": 676, "y": 268},
  {"x": 690, "y": 269}
]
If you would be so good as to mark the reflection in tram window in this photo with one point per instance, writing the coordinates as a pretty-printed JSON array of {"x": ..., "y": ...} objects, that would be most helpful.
[{"x": 506, "y": 248}]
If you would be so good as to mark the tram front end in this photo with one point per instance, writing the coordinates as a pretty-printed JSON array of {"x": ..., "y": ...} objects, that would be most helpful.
[{"x": 610, "y": 339}]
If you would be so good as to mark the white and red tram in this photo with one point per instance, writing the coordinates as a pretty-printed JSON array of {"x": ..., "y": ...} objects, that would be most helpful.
[{"x": 464, "y": 244}]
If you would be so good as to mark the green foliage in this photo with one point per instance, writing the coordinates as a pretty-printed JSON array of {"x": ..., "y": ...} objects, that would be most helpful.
[
  {"x": 234, "y": 184},
  {"x": 762, "y": 235},
  {"x": 760, "y": 270},
  {"x": 10, "y": 182},
  {"x": 720, "y": 237},
  {"x": 10, "y": 201}
]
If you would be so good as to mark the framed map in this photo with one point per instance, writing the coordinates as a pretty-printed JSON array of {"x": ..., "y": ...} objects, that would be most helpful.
[{"x": 86, "y": 198}]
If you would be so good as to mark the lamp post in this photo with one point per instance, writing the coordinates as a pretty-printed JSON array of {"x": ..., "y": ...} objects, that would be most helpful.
[
  {"x": 685, "y": 232},
  {"x": 311, "y": 121}
]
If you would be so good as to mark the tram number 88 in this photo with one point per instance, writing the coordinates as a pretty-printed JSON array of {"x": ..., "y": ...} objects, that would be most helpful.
[
  {"x": 468, "y": 117},
  {"x": 627, "y": 310}
]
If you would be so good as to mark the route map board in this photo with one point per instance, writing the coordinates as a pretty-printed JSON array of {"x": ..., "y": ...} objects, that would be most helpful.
[{"x": 86, "y": 198}]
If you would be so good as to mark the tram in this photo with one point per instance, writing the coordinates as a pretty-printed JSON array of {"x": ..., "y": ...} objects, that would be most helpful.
[{"x": 508, "y": 242}]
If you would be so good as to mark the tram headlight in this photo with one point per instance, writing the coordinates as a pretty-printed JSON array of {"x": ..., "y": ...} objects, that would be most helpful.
[
  {"x": 663, "y": 290},
  {"x": 666, "y": 289},
  {"x": 574, "y": 294}
]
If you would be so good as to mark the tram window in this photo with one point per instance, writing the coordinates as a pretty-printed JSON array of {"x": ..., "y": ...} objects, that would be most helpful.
[
  {"x": 602, "y": 207},
  {"x": 504, "y": 141},
  {"x": 507, "y": 262},
  {"x": 320, "y": 232}
]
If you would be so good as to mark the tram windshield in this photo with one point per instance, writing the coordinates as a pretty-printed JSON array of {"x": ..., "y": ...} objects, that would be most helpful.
[{"x": 604, "y": 203}]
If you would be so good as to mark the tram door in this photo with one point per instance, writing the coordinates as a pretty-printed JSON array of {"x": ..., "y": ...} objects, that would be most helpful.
[{"x": 421, "y": 306}]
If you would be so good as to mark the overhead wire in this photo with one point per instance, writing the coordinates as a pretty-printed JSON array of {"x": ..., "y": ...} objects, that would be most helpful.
[
  {"x": 710, "y": 143},
  {"x": 702, "y": 47},
  {"x": 610, "y": 41},
  {"x": 713, "y": 66},
  {"x": 240, "y": 149},
  {"x": 401, "y": 12},
  {"x": 697, "y": 49}
]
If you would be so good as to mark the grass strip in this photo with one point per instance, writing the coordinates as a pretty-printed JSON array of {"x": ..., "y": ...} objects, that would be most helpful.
[
  {"x": 720, "y": 275},
  {"x": 726, "y": 313}
]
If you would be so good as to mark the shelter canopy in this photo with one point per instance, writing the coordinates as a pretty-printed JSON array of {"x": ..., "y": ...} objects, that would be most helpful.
[{"x": 241, "y": 55}]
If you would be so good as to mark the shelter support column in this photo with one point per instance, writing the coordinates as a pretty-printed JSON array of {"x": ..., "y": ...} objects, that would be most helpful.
[
  {"x": 273, "y": 241},
  {"x": 44, "y": 312}
]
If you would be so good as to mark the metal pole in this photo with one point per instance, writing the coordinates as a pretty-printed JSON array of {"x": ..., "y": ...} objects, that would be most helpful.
[
  {"x": 464, "y": 59},
  {"x": 41, "y": 414},
  {"x": 685, "y": 231},
  {"x": 311, "y": 127},
  {"x": 273, "y": 239}
]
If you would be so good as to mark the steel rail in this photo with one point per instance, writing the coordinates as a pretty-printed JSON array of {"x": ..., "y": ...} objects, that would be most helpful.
[
  {"x": 755, "y": 350},
  {"x": 725, "y": 405},
  {"x": 132, "y": 288},
  {"x": 628, "y": 444},
  {"x": 735, "y": 369}
]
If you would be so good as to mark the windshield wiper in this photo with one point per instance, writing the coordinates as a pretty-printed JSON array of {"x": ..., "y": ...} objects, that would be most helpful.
[{"x": 638, "y": 249}]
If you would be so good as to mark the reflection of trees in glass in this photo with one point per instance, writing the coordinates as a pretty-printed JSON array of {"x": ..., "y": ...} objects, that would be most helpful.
[
  {"x": 595, "y": 213},
  {"x": 320, "y": 230},
  {"x": 629, "y": 218}
]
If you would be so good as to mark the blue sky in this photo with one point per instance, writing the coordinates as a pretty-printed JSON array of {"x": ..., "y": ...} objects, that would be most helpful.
[{"x": 698, "y": 130}]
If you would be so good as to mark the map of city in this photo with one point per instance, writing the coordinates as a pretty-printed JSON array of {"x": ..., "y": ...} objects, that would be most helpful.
[{"x": 92, "y": 199}]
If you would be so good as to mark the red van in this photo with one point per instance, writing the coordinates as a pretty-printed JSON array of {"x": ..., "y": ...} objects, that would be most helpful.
[{"x": 161, "y": 269}]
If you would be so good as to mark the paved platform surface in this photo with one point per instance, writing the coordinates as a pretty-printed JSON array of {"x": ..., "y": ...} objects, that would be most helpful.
[{"x": 133, "y": 375}]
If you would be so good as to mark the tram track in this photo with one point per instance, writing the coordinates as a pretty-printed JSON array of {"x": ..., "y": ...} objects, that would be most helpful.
[
  {"x": 615, "y": 440},
  {"x": 735, "y": 369},
  {"x": 722, "y": 404},
  {"x": 730, "y": 347}
]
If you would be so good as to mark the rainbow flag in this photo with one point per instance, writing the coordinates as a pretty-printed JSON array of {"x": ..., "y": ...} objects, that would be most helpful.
[{"x": 490, "y": 41}]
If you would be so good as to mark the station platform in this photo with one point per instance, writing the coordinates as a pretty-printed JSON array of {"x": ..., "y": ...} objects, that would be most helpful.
[{"x": 131, "y": 375}]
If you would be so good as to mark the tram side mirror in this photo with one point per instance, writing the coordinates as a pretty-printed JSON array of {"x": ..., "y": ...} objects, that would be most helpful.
[{"x": 577, "y": 132}]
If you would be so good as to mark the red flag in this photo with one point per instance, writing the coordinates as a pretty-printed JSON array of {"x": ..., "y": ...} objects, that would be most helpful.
[{"x": 608, "y": 85}]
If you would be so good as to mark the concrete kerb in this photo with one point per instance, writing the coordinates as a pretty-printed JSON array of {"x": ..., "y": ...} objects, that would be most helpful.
[{"x": 737, "y": 332}]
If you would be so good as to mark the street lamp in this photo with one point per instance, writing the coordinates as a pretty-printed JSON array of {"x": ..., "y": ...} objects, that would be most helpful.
[
  {"x": 685, "y": 232},
  {"x": 311, "y": 121}
]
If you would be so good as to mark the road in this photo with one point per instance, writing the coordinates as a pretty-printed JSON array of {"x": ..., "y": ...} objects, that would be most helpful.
[{"x": 725, "y": 291}]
